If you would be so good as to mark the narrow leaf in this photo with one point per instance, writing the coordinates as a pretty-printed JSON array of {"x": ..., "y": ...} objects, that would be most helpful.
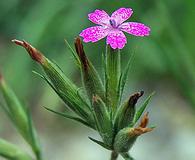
[
  {"x": 101, "y": 143},
  {"x": 12, "y": 152},
  {"x": 36, "y": 143},
  {"x": 16, "y": 111},
  {"x": 67, "y": 115},
  {"x": 123, "y": 78},
  {"x": 73, "y": 53},
  {"x": 142, "y": 108}
]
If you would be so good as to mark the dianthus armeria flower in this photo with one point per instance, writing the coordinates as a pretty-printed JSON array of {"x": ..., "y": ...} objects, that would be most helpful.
[{"x": 113, "y": 27}]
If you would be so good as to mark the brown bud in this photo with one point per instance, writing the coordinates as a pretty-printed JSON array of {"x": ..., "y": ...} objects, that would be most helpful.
[
  {"x": 81, "y": 53},
  {"x": 33, "y": 52},
  {"x": 134, "y": 98}
]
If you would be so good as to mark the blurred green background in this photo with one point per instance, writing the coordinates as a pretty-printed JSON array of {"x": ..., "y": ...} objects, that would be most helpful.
[{"x": 163, "y": 62}]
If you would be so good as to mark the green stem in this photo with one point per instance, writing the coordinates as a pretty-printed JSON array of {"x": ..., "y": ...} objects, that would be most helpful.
[
  {"x": 113, "y": 72},
  {"x": 114, "y": 155}
]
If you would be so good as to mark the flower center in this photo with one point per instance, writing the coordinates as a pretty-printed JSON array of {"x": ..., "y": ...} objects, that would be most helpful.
[{"x": 113, "y": 23}]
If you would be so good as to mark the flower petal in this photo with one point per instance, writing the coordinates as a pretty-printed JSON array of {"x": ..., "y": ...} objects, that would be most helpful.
[
  {"x": 116, "y": 39},
  {"x": 99, "y": 17},
  {"x": 93, "y": 34},
  {"x": 136, "y": 29},
  {"x": 121, "y": 15}
]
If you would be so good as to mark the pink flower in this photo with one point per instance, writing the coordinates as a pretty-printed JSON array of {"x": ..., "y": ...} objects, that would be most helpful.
[{"x": 113, "y": 27}]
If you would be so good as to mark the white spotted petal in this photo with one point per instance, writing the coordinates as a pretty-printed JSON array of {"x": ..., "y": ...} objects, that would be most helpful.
[
  {"x": 121, "y": 15},
  {"x": 94, "y": 34},
  {"x": 116, "y": 39},
  {"x": 135, "y": 28},
  {"x": 99, "y": 17}
]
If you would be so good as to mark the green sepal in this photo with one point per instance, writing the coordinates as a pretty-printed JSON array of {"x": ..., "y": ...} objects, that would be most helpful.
[
  {"x": 101, "y": 143},
  {"x": 123, "y": 78},
  {"x": 126, "y": 156},
  {"x": 67, "y": 115},
  {"x": 103, "y": 122},
  {"x": 91, "y": 79},
  {"x": 12, "y": 152},
  {"x": 124, "y": 140},
  {"x": 142, "y": 109},
  {"x": 112, "y": 75},
  {"x": 126, "y": 112},
  {"x": 19, "y": 116}
]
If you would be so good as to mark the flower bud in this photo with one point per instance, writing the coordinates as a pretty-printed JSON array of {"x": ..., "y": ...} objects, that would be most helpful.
[
  {"x": 91, "y": 79},
  {"x": 124, "y": 140},
  {"x": 63, "y": 86},
  {"x": 126, "y": 112},
  {"x": 126, "y": 137}
]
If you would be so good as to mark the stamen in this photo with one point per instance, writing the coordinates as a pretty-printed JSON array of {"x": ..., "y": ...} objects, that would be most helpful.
[{"x": 113, "y": 23}]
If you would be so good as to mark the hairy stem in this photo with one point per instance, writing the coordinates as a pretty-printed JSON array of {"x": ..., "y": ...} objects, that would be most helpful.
[{"x": 114, "y": 155}]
